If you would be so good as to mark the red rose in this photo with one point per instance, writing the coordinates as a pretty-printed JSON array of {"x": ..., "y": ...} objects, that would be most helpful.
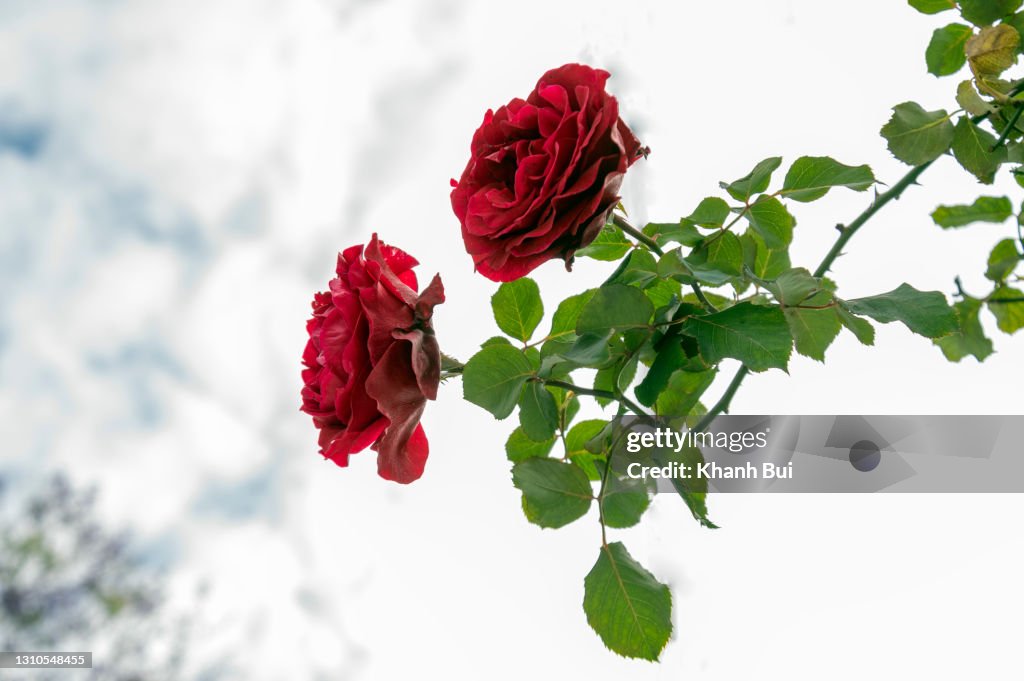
[
  {"x": 372, "y": 360},
  {"x": 543, "y": 174}
]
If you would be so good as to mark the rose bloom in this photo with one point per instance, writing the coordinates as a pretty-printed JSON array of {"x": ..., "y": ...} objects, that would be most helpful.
[
  {"x": 372, "y": 360},
  {"x": 543, "y": 174}
]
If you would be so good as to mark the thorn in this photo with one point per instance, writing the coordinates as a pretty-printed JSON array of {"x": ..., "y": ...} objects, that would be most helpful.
[{"x": 840, "y": 227}]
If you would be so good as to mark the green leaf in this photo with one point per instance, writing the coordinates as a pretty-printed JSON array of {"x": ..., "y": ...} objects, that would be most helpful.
[
  {"x": 945, "y": 53},
  {"x": 564, "y": 321},
  {"x": 970, "y": 101},
  {"x": 711, "y": 212},
  {"x": 610, "y": 244},
  {"x": 617, "y": 307},
  {"x": 576, "y": 446},
  {"x": 680, "y": 232},
  {"x": 580, "y": 434},
  {"x": 770, "y": 219},
  {"x": 624, "y": 501},
  {"x": 860, "y": 327},
  {"x": 984, "y": 209},
  {"x": 984, "y": 12},
  {"x": 494, "y": 377},
  {"x": 683, "y": 392},
  {"x": 932, "y": 6},
  {"x": 590, "y": 349},
  {"x": 718, "y": 260},
  {"x": 971, "y": 148},
  {"x": 1009, "y": 316},
  {"x": 970, "y": 338},
  {"x": 794, "y": 286},
  {"x": 662, "y": 291},
  {"x": 757, "y": 335},
  {"x": 916, "y": 136},
  {"x": 754, "y": 182},
  {"x": 810, "y": 178},
  {"x": 518, "y": 308},
  {"x": 555, "y": 493},
  {"x": 764, "y": 262},
  {"x": 628, "y": 608},
  {"x": 813, "y": 330},
  {"x": 669, "y": 358},
  {"x": 639, "y": 269},
  {"x": 924, "y": 312},
  {"x": 1003, "y": 260},
  {"x": 519, "y": 447},
  {"x": 538, "y": 414}
]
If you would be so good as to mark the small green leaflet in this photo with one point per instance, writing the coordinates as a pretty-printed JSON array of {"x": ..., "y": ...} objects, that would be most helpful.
[
  {"x": 615, "y": 306},
  {"x": 985, "y": 12},
  {"x": 754, "y": 182},
  {"x": 519, "y": 447},
  {"x": 813, "y": 330},
  {"x": 858, "y": 326},
  {"x": 970, "y": 101},
  {"x": 970, "y": 338},
  {"x": 764, "y": 262},
  {"x": 757, "y": 335},
  {"x": 669, "y": 358},
  {"x": 494, "y": 377},
  {"x": 925, "y": 313},
  {"x": 609, "y": 245},
  {"x": 984, "y": 209},
  {"x": 538, "y": 414},
  {"x": 576, "y": 446},
  {"x": 624, "y": 501},
  {"x": 945, "y": 54},
  {"x": 683, "y": 392},
  {"x": 1009, "y": 316},
  {"x": 770, "y": 219},
  {"x": 793, "y": 286},
  {"x": 916, "y": 136},
  {"x": 972, "y": 149},
  {"x": 711, "y": 212},
  {"x": 932, "y": 6},
  {"x": 1003, "y": 260},
  {"x": 716, "y": 262},
  {"x": 628, "y": 608},
  {"x": 517, "y": 308},
  {"x": 810, "y": 178},
  {"x": 563, "y": 323},
  {"x": 555, "y": 493}
]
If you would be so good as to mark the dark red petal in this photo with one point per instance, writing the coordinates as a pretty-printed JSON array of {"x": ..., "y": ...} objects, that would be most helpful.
[{"x": 393, "y": 384}]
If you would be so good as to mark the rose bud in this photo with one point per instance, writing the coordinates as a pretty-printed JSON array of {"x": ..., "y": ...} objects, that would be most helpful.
[
  {"x": 543, "y": 174},
  {"x": 372, "y": 361}
]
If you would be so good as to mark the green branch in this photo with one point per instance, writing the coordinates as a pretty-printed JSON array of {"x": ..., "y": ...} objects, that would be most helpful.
[
  {"x": 594, "y": 392},
  {"x": 624, "y": 224}
]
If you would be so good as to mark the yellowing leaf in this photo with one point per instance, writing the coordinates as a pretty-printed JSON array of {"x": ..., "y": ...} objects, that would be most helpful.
[{"x": 993, "y": 50}]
